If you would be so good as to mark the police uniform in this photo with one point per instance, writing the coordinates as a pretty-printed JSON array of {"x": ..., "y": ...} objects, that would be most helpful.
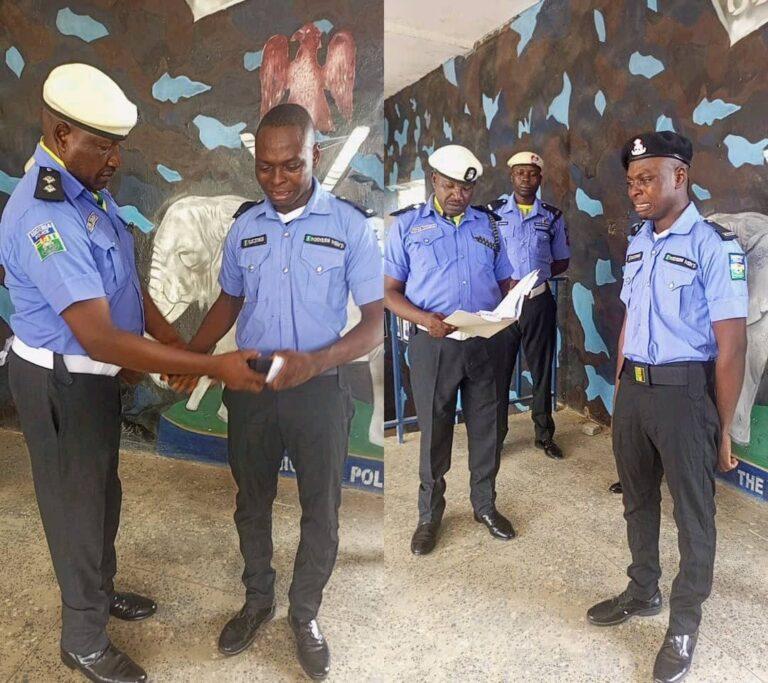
[
  {"x": 60, "y": 245},
  {"x": 665, "y": 422},
  {"x": 296, "y": 278},
  {"x": 533, "y": 240},
  {"x": 446, "y": 267}
]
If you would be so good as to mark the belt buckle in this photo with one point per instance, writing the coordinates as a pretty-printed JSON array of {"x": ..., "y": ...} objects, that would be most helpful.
[{"x": 641, "y": 373}]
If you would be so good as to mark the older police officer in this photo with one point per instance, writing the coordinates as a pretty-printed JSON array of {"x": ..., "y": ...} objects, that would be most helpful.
[
  {"x": 288, "y": 266},
  {"x": 80, "y": 316},
  {"x": 679, "y": 373},
  {"x": 442, "y": 256},
  {"x": 536, "y": 237}
]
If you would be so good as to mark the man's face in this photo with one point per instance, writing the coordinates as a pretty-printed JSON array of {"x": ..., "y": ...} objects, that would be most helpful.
[
  {"x": 526, "y": 179},
  {"x": 285, "y": 162},
  {"x": 653, "y": 184},
  {"x": 91, "y": 158},
  {"x": 453, "y": 195}
]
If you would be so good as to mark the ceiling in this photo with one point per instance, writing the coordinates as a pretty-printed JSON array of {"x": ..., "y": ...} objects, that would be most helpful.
[{"x": 420, "y": 36}]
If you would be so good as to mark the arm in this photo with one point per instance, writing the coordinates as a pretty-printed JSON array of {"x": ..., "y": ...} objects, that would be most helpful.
[
  {"x": 217, "y": 322},
  {"x": 559, "y": 266},
  {"x": 395, "y": 301},
  {"x": 731, "y": 336},
  {"x": 157, "y": 325}
]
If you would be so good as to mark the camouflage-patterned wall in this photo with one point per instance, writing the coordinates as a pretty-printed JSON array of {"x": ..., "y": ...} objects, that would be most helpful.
[
  {"x": 573, "y": 79},
  {"x": 196, "y": 80}
]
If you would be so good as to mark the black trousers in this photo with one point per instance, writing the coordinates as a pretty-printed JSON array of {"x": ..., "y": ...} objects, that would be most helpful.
[
  {"x": 537, "y": 331},
  {"x": 672, "y": 431},
  {"x": 311, "y": 422},
  {"x": 71, "y": 423},
  {"x": 439, "y": 368}
]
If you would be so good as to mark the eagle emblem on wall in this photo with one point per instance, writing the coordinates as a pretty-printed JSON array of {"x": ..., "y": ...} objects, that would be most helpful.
[{"x": 303, "y": 81}]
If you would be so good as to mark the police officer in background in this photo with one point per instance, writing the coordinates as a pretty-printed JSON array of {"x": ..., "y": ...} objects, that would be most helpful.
[
  {"x": 442, "y": 256},
  {"x": 535, "y": 237},
  {"x": 80, "y": 313},
  {"x": 679, "y": 373},
  {"x": 288, "y": 265}
]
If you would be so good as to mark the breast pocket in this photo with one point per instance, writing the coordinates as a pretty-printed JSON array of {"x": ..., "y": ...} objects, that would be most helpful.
[
  {"x": 483, "y": 247},
  {"x": 632, "y": 277},
  {"x": 542, "y": 243},
  {"x": 324, "y": 265},
  {"x": 252, "y": 262},
  {"x": 109, "y": 261},
  {"x": 677, "y": 283},
  {"x": 427, "y": 251}
]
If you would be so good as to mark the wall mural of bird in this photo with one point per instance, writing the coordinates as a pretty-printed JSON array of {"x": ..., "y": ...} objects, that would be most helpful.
[{"x": 303, "y": 80}]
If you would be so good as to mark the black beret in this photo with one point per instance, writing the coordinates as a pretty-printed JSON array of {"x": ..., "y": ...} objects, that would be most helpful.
[{"x": 663, "y": 144}]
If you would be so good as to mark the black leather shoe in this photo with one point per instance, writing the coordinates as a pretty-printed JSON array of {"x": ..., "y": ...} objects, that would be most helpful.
[
  {"x": 617, "y": 610},
  {"x": 240, "y": 631},
  {"x": 131, "y": 607},
  {"x": 551, "y": 449},
  {"x": 311, "y": 648},
  {"x": 424, "y": 538},
  {"x": 498, "y": 525},
  {"x": 616, "y": 488},
  {"x": 674, "y": 659},
  {"x": 106, "y": 666}
]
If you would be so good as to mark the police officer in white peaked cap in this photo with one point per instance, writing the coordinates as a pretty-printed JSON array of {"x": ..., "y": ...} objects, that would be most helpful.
[
  {"x": 80, "y": 315},
  {"x": 441, "y": 256}
]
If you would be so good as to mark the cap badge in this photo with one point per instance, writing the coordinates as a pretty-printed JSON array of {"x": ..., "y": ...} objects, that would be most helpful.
[
  {"x": 471, "y": 173},
  {"x": 638, "y": 148}
]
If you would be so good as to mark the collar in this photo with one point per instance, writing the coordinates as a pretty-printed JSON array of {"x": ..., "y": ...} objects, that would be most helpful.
[
  {"x": 319, "y": 202},
  {"x": 511, "y": 205},
  {"x": 434, "y": 205},
  {"x": 52, "y": 154},
  {"x": 682, "y": 226},
  {"x": 72, "y": 187}
]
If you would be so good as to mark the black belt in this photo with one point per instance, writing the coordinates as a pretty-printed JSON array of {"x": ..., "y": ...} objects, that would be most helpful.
[{"x": 671, "y": 374}]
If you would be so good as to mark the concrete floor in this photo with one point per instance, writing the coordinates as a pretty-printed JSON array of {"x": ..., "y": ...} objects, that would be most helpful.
[
  {"x": 178, "y": 544},
  {"x": 479, "y": 609}
]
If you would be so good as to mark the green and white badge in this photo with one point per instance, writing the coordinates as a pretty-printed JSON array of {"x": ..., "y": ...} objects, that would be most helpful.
[
  {"x": 46, "y": 240},
  {"x": 738, "y": 265}
]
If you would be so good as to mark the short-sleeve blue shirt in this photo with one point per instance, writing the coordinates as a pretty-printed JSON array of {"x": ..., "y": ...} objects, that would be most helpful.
[
  {"x": 296, "y": 277},
  {"x": 58, "y": 252},
  {"x": 676, "y": 287}
]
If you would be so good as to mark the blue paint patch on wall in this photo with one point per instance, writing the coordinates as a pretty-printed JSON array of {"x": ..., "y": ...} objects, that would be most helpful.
[
  {"x": 213, "y": 133},
  {"x": 653, "y": 5},
  {"x": 6, "y": 307},
  {"x": 418, "y": 170},
  {"x": 524, "y": 126},
  {"x": 466, "y": 110},
  {"x": 252, "y": 60},
  {"x": 447, "y": 130},
  {"x": 427, "y": 117},
  {"x": 600, "y": 25},
  {"x": 491, "y": 108},
  {"x": 558, "y": 110},
  {"x": 449, "y": 71},
  {"x": 593, "y": 207},
  {"x": 583, "y": 303},
  {"x": 401, "y": 136},
  {"x": 520, "y": 406},
  {"x": 664, "y": 123},
  {"x": 493, "y": 159},
  {"x": 701, "y": 192},
  {"x": 525, "y": 25},
  {"x": 645, "y": 65},
  {"x": 8, "y": 182},
  {"x": 130, "y": 214},
  {"x": 706, "y": 112},
  {"x": 603, "y": 272},
  {"x": 417, "y": 130},
  {"x": 599, "y": 386},
  {"x": 168, "y": 173},
  {"x": 741, "y": 151},
  {"x": 370, "y": 166},
  {"x": 600, "y": 102},
  {"x": 14, "y": 60},
  {"x": 428, "y": 149},
  {"x": 393, "y": 175},
  {"x": 324, "y": 25},
  {"x": 168, "y": 88},
  {"x": 79, "y": 25},
  {"x": 527, "y": 375},
  {"x": 413, "y": 104}
]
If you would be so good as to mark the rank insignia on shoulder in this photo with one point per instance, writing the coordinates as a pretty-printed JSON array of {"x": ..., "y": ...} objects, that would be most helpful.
[
  {"x": 256, "y": 241},
  {"x": 496, "y": 204},
  {"x": 486, "y": 208},
  {"x": 724, "y": 233},
  {"x": 406, "y": 209},
  {"x": 556, "y": 213},
  {"x": 634, "y": 229},
  {"x": 48, "y": 186},
  {"x": 738, "y": 266},
  {"x": 245, "y": 206},
  {"x": 368, "y": 213},
  {"x": 46, "y": 240}
]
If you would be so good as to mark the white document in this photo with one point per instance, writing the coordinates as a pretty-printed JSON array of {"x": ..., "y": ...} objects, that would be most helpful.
[{"x": 487, "y": 323}]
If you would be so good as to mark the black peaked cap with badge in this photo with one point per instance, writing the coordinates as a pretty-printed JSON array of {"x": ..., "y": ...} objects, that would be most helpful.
[{"x": 662, "y": 144}]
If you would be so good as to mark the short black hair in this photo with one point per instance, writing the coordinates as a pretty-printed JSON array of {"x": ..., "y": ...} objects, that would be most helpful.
[{"x": 287, "y": 114}]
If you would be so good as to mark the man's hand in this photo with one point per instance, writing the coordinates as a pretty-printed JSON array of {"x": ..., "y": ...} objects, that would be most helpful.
[
  {"x": 435, "y": 325},
  {"x": 182, "y": 384},
  {"x": 725, "y": 460},
  {"x": 298, "y": 368},
  {"x": 233, "y": 370}
]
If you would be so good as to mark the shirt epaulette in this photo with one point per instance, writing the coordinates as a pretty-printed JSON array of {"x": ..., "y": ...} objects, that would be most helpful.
[
  {"x": 368, "y": 213},
  {"x": 488, "y": 210},
  {"x": 495, "y": 204},
  {"x": 634, "y": 229},
  {"x": 245, "y": 206},
  {"x": 48, "y": 186},
  {"x": 724, "y": 233},
  {"x": 405, "y": 209},
  {"x": 556, "y": 213}
]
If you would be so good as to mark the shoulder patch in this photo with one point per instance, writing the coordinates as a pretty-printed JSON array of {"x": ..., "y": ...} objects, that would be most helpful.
[
  {"x": 406, "y": 209},
  {"x": 368, "y": 213},
  {"x": 556, "y": 213},
  {"x": 725, "y": 234},
  {"x": 634, "y": 229},
  {"x": 487, "y": 210},
  {"x": 46, "y": 240},
  {"x": 495, "y": 205},
  {"x": 48, "y": 186},
  {"x": 245, "y": 206}
]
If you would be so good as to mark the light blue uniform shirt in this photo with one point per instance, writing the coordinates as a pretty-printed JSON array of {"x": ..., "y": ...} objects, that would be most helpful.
[
  {"x": 60, "y": 251},
  {"x": 296, "y": 278},
  {"x": 676, "y": 287},
  {"x": 445, "y": 267},
  {"x": 532, "y": 241}
]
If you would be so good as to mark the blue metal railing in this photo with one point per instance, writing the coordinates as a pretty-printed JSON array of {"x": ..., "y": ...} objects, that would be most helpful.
[{"x": 397, "y": 337}]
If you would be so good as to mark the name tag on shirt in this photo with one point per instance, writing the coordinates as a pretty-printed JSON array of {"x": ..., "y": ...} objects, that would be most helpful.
[
  {"x": 253, "y": 241},
  {"x": 422, "y": 228},
  {"x": 325, "y": 241},
  {"x": 681, "y": 261},
  {"x": 637, "y": 256}
]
